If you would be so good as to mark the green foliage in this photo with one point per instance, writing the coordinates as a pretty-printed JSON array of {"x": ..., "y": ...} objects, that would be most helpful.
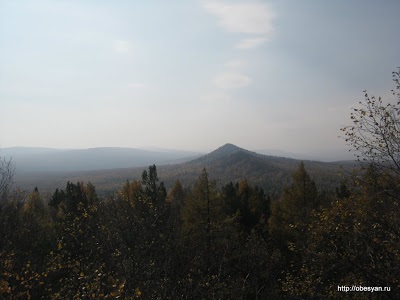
[
  {"x": 66, "y": 203},
  {"x": 156, "y": 193},
  {"x": 354, "y": 241},
  {"x": 251, "y": 203},
  {"x": 25, "y": 237},
  {"x": 131, "y": 192},
  {"x": 77, "y": 266},
  {"x": 291, "y": 214},
  {"x": 36, "y": 228},
  {"x": 202, "y": 209}
]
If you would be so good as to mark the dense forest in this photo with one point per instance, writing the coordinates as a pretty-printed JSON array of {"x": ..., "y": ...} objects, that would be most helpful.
[{"x": 206, "y": 241}]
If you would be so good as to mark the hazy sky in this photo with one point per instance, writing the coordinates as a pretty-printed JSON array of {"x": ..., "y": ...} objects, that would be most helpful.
[{"x": 192, "y": 74}]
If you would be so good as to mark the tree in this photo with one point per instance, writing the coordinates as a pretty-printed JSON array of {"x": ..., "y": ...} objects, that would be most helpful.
[
  {"x": 68, "y": 202},
  {"x": 375, "y": 133},
  {"x": 140, "y": 236},
  {"x": 356, "y": 239},
  {"x": 202, "y": 208},
  {"x": 176, "y": 197},
  {"x": 156, "y": 193},
  {"x": 290, "y": 218},
  {"x": 250, "y": 203},
  {"x": 37, "y": 232},
  {"x": 132, "y": 192},
  {"x": 78, "y": 265},
  {"x": 290, "y": 215},
  {"x": 7, "y": 171}
]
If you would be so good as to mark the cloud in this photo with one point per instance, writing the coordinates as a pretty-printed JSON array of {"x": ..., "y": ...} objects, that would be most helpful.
[
  {"x": 251, "y": 43},
  {"x": 250, "y": 18},
  {"x": 231, "y": 80},
  {"x": 121, "y": 46}
]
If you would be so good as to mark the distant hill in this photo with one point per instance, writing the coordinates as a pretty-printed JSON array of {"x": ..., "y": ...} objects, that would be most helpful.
[
  {"x": 30, "y": 160},
  {"x": 227, "y": 163},
  {"x": 232, "y": 163},
  {"x": 326, "y": 156}
]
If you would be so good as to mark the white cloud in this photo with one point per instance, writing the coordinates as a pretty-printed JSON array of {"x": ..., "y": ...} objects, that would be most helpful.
[
  {"x": 235, "y": 64},
  {"x": 251, "y": 43},
  {"x": 250, "y": 18},
  {"x": 121, "y": 46},
  {"x": 231, "y": 80}
]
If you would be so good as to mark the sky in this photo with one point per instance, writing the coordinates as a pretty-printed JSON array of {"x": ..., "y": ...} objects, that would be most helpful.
[{"x": 193, "y": 74}]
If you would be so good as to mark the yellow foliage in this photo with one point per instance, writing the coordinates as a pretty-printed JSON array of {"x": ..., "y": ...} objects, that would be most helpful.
[{"x": 4, "y": 287}]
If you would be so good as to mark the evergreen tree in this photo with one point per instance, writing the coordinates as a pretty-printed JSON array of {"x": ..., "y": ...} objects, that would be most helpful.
[
  {"x": 156, "y": 193},
  {"x": 291, "y": 214},
  {"x": 175, "y": 199},
  {"x": 202, "y": 208}
]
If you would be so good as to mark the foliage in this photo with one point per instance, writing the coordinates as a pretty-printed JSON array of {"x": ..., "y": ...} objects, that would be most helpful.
[
  {"x": 7, "y": 170},
  {"x": 355, "y": 241},
  {"x": 375, "y": 133},
  {"x": 291, "y": 214}
]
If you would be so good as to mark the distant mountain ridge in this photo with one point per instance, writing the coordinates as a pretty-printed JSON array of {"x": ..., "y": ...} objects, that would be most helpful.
[{"x": 32, "y": 159}]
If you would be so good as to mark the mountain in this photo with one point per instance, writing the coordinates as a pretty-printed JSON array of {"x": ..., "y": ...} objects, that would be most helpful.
[
  {"x": 227, "y": 163},
  {"x": 30, "y": 160},
  {"x": 232, "y": 163},
  {"x": 223, "y": 151}
]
